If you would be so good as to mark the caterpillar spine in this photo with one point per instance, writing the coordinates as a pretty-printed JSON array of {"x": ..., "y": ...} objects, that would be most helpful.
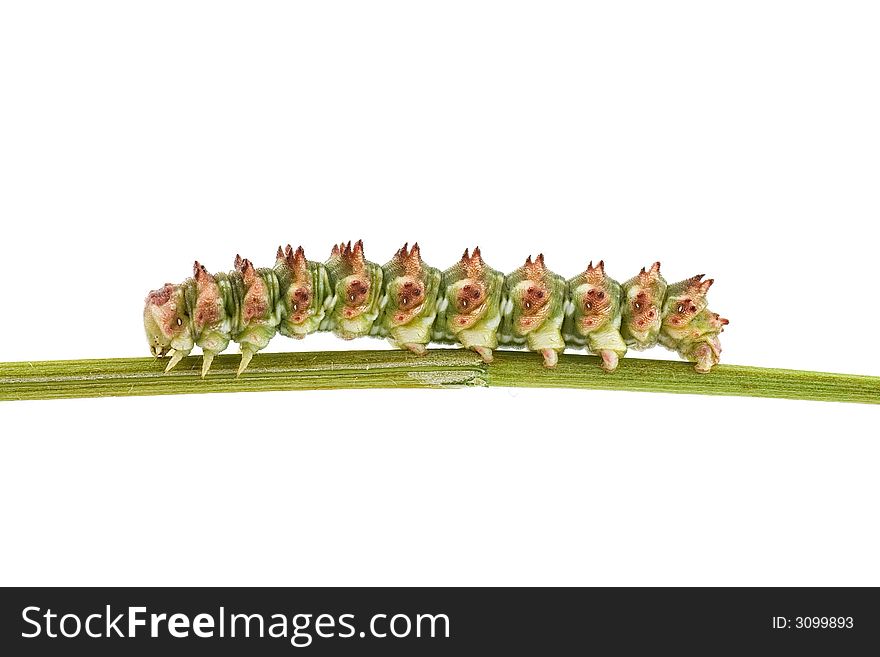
[{"x": 412, "y": 304}]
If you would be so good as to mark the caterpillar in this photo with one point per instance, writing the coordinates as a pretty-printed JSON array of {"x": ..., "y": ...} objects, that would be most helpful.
[{"x": 412, "y": 304}]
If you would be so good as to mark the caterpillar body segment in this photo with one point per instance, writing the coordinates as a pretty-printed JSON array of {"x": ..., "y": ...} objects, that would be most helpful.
[
  {"x": 593, "y": 315},
  {"x": 688, "y": 326},
  {"x": 357, "y": 285},
  {"x": 470, "y": 305},
  {"x": 533, "y": 309},
  {"x": 409, "y": 307},
  {"x": 412, "y": 304},
  {"x": 642, "y": 302},
  {"x": 306, "y": 292}
]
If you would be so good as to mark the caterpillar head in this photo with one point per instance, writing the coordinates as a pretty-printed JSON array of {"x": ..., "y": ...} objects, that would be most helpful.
[
  {"x": 406, "y": 292},
  {"x": 531, "y": 296},
  {"x": 643, "y": 296},
  {"x": 165, "y": 321},
  {"x": 685, "y": 301},
  {"x": 468, "y": 296},
  {"x": 354, "y": 287},
  {"x": 595, "y": 299},
  {"x": 300, "y": 295}
]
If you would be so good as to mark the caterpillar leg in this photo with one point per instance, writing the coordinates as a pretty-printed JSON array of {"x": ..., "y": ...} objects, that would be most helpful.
[
  {"x": 416, "y": 347},
  {"x": 551, "y": 357},
  {"x": 246, "y": 354},
  {"x": 706, "y": 356},
  {"x": 485, "y": 353},
  {"x": 610, "y": 359},
  {"x": 176, "y": 357},
  {"x": 207, "y": 359}
]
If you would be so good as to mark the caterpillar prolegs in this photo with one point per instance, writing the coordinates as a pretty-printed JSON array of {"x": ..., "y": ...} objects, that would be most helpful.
[{"x": 412, "y": 304}]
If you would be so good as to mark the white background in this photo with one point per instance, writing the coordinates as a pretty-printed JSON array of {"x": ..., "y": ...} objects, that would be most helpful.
[{"x": 738, "y": 139}]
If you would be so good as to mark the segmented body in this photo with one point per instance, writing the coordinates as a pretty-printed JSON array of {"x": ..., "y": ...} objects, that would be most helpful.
[{"x": 412, "y": 304}]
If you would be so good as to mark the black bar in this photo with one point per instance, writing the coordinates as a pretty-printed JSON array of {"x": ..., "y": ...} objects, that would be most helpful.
[{"x": 678, "y": 621}]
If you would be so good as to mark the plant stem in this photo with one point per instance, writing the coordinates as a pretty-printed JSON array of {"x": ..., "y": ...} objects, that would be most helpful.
[{"x": 441, "y": 368}]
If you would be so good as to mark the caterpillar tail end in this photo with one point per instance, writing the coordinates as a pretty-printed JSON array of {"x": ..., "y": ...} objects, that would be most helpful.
[
  {"x": 207, "y": 359},
  {"x": 176, "y": 357},
  {"x": 246, "y": 355},
  {"x": 551, "y": 357},
  {"x": 706, "y": 356}
]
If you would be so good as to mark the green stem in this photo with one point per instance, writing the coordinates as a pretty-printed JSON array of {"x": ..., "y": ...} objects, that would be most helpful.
[{"x": 442, "y": 368}]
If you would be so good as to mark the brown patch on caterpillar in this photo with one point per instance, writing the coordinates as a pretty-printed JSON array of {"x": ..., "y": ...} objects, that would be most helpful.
[
  {"x": 644, "y": 310},
  {"x": 255, "y": 304},
  {"x": 410, "y": 296},
  {"x": 470, "y": 296},
  {"x": 300, "y": 291},
  {"x": 207, "y": 302},
  {"x": 161, "y": 296},
  {"x": 356, "y": 292},
  {"x": 162, "y": 307},
  {"x": 683, "y": 312}
]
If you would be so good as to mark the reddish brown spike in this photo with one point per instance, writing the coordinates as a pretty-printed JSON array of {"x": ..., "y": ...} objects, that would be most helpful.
[
  {"x": 534, "y": 269},
  {"x": 355, "y": 256},
  {"x": 335, "y": 251},
  {"x": 247, "y": 271},
  {"x": 595, "y": 275},
  {"x": 651, "y": 275},
  {"x": 473, "y": 263},
  {"x": 415, "y": 252},
  {"x": 413, "y": 262},
  {"x": 466, "y": 255},
  {"x": 705, "y": 285},
  {"x": 279, "y": 255},
  {"x": 298, "y": 263},
  {"x": 238, "y": 262}
]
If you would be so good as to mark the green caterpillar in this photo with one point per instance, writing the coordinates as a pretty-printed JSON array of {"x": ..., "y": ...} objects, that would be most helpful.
[{"x": 412, "y": 304}]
